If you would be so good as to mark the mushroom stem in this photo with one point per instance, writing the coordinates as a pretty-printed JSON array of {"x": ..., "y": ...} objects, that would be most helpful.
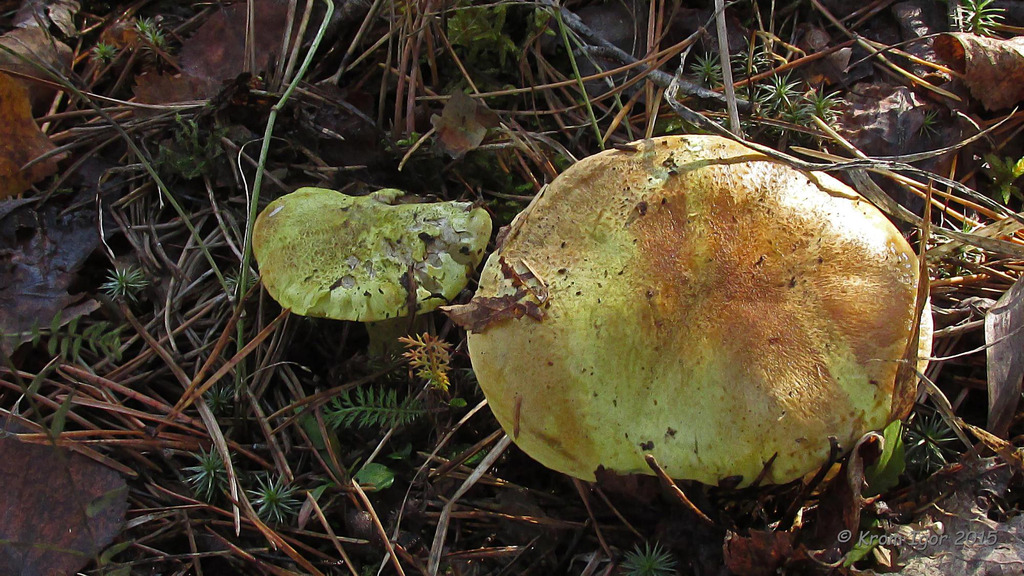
[{"x": 384, "y": 334}]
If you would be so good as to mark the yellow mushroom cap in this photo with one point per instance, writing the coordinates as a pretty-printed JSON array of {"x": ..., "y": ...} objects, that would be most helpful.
[
  {"x": 326, "y": 254},
  {"x": 698, "y": 301}
]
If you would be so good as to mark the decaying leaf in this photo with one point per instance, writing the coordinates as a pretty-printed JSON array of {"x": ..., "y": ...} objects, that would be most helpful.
[
  {"x": 882, "y": 119},
  {"x": 29, "y": 53},
  {"x": 993, "y": 68},
  {"x": 462, "y": 125},
  {"x": 760, "y": 554},
  {"x": 42, "y": 13},
  {"x": 1004, "y": 336},
  {"x": 841, "y": 502},
  {"x": 40, "y": 253},
  {"x": 57, "y": 509},
  {"x": 215, "y": 54},
  {"x": 156, "y": 88},
  {"x": 956, "y": 535},
  {"x": 481, "y": 312},
  {"x": 20, "y": 141}
]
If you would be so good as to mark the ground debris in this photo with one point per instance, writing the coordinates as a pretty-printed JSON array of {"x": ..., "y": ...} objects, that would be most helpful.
[
  {"x": 993, "y": 68},
  {"x": 956, "y": 534},
  {"x": 59, "y": 509}
]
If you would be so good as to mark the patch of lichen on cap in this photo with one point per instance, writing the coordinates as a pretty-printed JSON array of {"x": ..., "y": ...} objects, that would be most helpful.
[{"x": 326, "y": 254}]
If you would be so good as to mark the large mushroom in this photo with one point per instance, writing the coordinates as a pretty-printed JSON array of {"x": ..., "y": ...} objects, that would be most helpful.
[
  {"x": 368, "y": 258},
  {"x": 692, "y": 299}
]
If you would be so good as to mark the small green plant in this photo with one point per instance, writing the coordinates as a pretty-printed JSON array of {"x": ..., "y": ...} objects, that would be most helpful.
[
  {"x": 150, "y": 33},
  {"x": 125, "y": 284},
  {"x": 374, "y": 477},
  {"x": 209, "y": 477},
  {"x": 429, "y": 356},
  {"x": 980, "y": 16},
  {"x": 103, "y": 52},
  {"x": 929, "y": 444},
  {"x": 274, "y": 501},
  {"x": 370, "y": 407},
  {"x": 193, "y": 152},
  {"x": 780, "y": 94},
  {"x": 650, "y": 561},
  {"x": 929, "y": 124},
  {"x": 220, "y": 397},
  {"x": 480, "y": 30},
  {"x": 708, "y": 70},
  {"x": 822, "y": 105},
  {"x": 1004, "y": 172},
  {"x": 99, "y": 337}
]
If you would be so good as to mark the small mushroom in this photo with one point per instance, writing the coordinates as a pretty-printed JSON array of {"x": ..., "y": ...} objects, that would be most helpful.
[
  {"x": 690, "y": 298},
  {"x": 326, "y": 254}
]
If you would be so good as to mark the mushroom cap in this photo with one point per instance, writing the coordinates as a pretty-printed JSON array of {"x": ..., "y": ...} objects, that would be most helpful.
[
  {"x": 701, "y": 303},
  {"x": 323, "y": 253}
]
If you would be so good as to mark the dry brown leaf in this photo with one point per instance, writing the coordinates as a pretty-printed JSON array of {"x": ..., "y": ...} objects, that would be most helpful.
[
  {"x": 42, "y": 13},
  {"x": 1004, "y": 336},
  {"x": 59, "y": 509},
  {"x": 481, "y": 312},
  {"x": 957, "y": 536},
  {"x": 41, "y": 252},
  {"x": 462, "y": 125},
  {"x": 156, "y": 88},
  {"x": 840, "y": 504},
  {"x": 215, "y": 54},
  {"x": 27, "y": 52},
  {"x": 20, "y": 141},
  {"x": 993, "y": 68},
  {"x": 760, "y": 554}
]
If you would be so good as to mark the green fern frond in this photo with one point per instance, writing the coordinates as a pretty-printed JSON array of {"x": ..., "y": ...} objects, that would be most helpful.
[{"x": 372, "y": 407}]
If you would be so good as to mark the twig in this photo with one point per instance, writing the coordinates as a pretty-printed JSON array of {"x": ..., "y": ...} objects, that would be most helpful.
[
  {"x": 380, "y": 527},
  {"x": 726, "y": 60},
  {"x": 446, "y": 513},
  {"x": 657, "y": 76},
  {"x": 667, "y": 481}
]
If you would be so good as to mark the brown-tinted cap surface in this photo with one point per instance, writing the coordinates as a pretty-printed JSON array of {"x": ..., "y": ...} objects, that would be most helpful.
[{"x": 701, "y": 303}]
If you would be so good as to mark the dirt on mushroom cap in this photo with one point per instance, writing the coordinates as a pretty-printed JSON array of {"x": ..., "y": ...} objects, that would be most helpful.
[
  {"x": 704, "y": 304},
  {"x": 323, "y": 253}
]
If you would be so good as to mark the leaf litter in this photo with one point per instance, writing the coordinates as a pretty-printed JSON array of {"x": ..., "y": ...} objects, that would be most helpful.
[{"x": 59, "y": 529}]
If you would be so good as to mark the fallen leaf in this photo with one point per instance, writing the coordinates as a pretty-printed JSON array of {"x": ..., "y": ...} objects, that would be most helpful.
[
  {"x": 1004, "y": 337},
  {"x": 760, "y": 554},
  {"x": 462, "y": 125},
  {"x": 215, "y": 54},
  {"x": 919, "y": 21},
  {"x": 840, "y": 503},
  {"x": 27, "y": 53},
  {"x": 20, "y": 141},
  {"x": 993, "y": 68},
  {"x": 57, "y": 509},
  {"x": 1008, "y": 452},
  {"x": 830, "y": 69},
  {"x": 882, "y": 119},
  {"x": 42, "y": 13},
  {"x": 40, "y": 254},
  {"x": 156, "y": 88},
  {"x": 956, "y": 536},
  {"x": 482, "y": 311}
]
